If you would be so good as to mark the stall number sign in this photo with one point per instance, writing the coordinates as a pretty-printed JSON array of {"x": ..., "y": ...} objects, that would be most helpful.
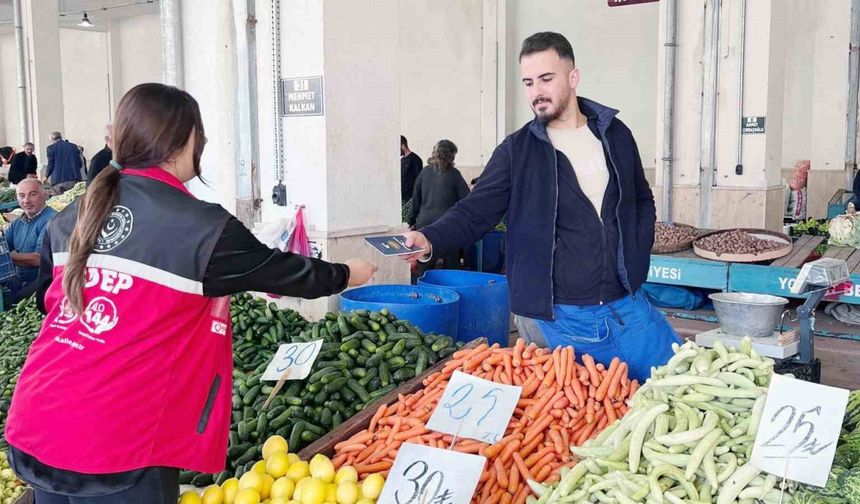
[
  {"x": 293, "y": 361},
  {"x": 475, "y": 408},
  {"x": 752, "y": 125},
  {"x": 799, "y": 428},
  {"x": 302, "y": 96},
  {"x": 424, "y": 475}
]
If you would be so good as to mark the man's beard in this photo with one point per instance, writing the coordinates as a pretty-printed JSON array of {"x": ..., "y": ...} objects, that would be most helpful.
[{"x": 548, "y": 117}]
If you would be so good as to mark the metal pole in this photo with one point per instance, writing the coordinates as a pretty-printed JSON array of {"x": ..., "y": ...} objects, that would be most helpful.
[
  {"x": 172, "y": 69},
  {"x": 739, "y": 166},
  {"x": 853, "y": 88},
  {"x": 669, "y": 106},
  {"x": 23, "y": 114},
  {"x": 709, "y": 110}
]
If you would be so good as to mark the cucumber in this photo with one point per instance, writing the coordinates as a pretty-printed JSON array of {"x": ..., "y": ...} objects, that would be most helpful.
[
  {"x": 335, "y": 385},
  {"x": 262, "y": 424},
  {"x": 296, "y": 434},
  {"x": 202, "y": 480},
  {"x": 376, "y": 394},
  {"x": 396, "y": 362},
  {"x": 281, "y": 420},
  {"x": 421, "y": 365},
  {"x": 236, "y": 451},
  {"x": 251, "y": 395},
  {"x": 399, "y": 348},
  {"x": 249, "y": 456},
  {"x": 358, "y": 389},
  {"x": 403, "y": 374},
  {"x": 275, "y": 412},
  {"x": 384, "y": 375}
]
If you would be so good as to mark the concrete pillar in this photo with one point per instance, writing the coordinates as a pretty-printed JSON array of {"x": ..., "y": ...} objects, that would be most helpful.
[
  {"x": 341, "y": 165},
  {"x": 114, "y": 56},
  {"x": 46, "y": 82},
  {"x": 829, "y": 99}
]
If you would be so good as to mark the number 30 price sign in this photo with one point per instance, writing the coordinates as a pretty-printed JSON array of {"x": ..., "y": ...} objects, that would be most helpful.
[
  {"x": 475, "y": 408},
  {"x": 799, "y": 428},
  {"x": 292, "y": 361},
  {"x": 424, "y": 475}
]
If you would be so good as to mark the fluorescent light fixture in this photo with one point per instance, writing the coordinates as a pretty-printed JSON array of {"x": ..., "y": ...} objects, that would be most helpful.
[{"x": 85, "y": 21}]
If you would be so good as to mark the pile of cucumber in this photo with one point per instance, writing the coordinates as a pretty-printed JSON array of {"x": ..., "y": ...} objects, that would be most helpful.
[
  {"x": 364, "y": 356},
  {"x": 18, "y": 329},
  {"x": 258, "y": 328}
]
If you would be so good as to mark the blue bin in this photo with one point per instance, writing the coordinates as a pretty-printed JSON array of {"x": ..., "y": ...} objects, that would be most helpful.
[
  {"x": 431, "y": 309},
  {"x": 485, "y": 308}
]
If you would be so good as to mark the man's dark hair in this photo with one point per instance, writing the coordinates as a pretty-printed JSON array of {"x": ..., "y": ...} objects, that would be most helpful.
[
  {"x": 29, "y": 144},
  {"x": 403, "y": 141},
  {"x": 544, "y": 41}
]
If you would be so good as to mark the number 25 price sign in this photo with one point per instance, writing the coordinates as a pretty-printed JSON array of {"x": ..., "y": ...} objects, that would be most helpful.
[
  {"x": 424, "y": 475},
  {"x": 799, "y": 428},
  {"x": 292, "y": 361},
  {"x": 475, "y": 408}
]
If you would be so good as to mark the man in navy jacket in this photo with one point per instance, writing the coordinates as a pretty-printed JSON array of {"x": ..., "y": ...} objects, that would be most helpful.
[
  {"x": 64, "y": 164},
  {"x": 580, "y": 219}
]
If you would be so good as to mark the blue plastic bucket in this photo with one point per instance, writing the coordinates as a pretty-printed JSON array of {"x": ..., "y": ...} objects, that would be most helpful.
[
  {"x": 431, "y": 309},
  {"x": 485, "y": 308}
]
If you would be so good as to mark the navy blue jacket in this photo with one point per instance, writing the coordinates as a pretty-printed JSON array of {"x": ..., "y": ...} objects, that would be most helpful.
[
  {"x": 64, "y": 162},
  {"x": 521, "y": 180}
]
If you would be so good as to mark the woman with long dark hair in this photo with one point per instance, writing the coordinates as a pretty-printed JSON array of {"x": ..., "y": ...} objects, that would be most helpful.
[
  {"x": 439, "y": 186},
  {"x": 130, "y": 376}
]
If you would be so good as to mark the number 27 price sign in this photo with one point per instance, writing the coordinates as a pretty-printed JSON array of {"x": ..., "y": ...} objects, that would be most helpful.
[
  {"x": 475, "y": 408},
  {"x": 424, "y": 475},
  {"x": 799, "y": 428},
  {"x": 292, "y": 361}
]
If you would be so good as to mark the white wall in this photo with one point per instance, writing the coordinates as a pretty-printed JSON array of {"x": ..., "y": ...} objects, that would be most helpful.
[
  {"x": 86, "y": 102},
  {"x": 9, "y": 123},
  {"x": 440, "y": 78},
  {"x": 616, "y": 52},
  {"x": 140, "y": 50}
]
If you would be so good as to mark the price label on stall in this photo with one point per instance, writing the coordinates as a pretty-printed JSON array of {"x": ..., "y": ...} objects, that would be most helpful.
[
  {"x": 475, "y": 408},
  {"x": 799, "y": 428},
  {"x": 424, "y": 475},
  {"x": 293, "y": 361}
]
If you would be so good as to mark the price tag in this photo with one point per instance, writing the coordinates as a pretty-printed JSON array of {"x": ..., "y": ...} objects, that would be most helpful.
[
  {"x": 475, "y": 408},
  {"x": 424, "y": 475},
  {"x": 293, "y": 361},
  {"x": 799, "y": 428}
]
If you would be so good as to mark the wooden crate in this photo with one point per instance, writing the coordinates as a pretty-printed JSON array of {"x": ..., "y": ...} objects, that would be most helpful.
[{"x": 360, "y": 420}]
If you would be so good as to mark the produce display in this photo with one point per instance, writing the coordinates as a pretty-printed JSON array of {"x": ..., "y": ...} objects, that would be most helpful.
[
  {"x": 60, "y": 202},
  {"x": 364, "y": 356},
  {"x": 282, "y": 478},
  {"x": 737, "y": 242},
  {"x": 7, "y": 196},
  {"x": 563, "y": 403},
  {"x": 811, "y": 227},
  {"x": 11, "y": 488},
  {"x": 687, "y": 437},
  {"x": 667, "y": 234},
  {"x": 18, "y": 329},
  {"x": 845, "y": 229}
]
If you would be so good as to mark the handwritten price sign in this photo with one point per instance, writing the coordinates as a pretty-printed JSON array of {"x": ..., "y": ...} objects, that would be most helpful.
[
  {"x": 799, "y": 429},
  {"x": 475, "y": 408},
  {"x": 424, "y": 475},
  {"x": 293, "y": 361}
]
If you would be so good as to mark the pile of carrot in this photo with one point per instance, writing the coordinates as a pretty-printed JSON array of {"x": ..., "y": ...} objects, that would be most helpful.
[{"x": 563, "y": 403}]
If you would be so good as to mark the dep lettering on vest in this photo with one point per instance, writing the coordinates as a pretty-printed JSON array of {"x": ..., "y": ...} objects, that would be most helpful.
[
  {"x": 664, "y": 272},
  {"x": 108, "y": 280}
]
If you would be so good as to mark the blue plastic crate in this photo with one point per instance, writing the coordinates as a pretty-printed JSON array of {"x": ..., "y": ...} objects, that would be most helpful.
[{"x": 7, "y": 267}]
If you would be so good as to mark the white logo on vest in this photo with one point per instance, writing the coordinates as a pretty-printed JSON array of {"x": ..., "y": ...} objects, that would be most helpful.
[
  {"x": 100, "y": 316},
  {"x": 117, "y": 228},
  {"x": 66, "y": 315}
]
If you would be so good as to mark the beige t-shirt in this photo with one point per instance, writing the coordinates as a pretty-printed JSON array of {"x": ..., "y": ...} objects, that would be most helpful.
[{"x": 585, "y": 153}]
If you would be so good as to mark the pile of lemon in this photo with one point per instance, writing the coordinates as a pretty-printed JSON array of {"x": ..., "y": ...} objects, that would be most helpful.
[{"x": 282, "y": 478}]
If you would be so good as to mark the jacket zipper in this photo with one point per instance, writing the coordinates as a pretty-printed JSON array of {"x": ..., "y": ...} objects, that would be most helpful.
[
  {"x": 554, "y": 236},
  {"x": 626, "y": 281}
]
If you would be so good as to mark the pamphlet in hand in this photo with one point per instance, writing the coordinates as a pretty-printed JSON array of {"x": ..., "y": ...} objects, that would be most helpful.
[{"x": 394, "y": 245}]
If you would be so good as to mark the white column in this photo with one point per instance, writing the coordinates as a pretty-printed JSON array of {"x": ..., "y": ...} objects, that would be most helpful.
[{"x": 46, "y": 82}]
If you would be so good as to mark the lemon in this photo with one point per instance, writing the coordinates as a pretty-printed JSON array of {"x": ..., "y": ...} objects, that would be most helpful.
[
  {"x": 365, "y": 501},
  {"x": 322, "y": 468},
  {"x": 331, "y": 493},
  {"x": 268, "y": 481},
  {"x": 371, "y": 487},
  {"x": 190, "y": 497},
  {"x": 259, "y": 467},
  {"x": 292, "y": 458},
  {"x": 313, "y": 492},
  {"x": 252, "y": 480},
  {"x": 346, "y": 473},
  {"x": 347, "y": 493},
  {"x": 297, "y": 494},
  {"x": 247, "y": 496},
  {"x": 230, "y": 488},
  {"x": 283, "y": 487},
  {"x": 213, "y": 495},
  {"x": 273, "y": 445},
  {"x": 277, "y": 464},
  {"x": 298, "y": 470},
  {"x": 279, "y": 500}
]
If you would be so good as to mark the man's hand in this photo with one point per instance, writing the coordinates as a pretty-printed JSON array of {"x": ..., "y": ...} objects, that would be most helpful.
[
  {"x": 360, "y": 272},
  {"x": 417, "y": 239}
]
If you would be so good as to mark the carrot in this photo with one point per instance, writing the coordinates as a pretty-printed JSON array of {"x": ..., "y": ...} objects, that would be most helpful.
[
  {"x": 538, "y": 428},
  {"x": 506, "y": 498},
  {"x": 634, "y": 386},
  {"x": 589, "y": 410},
  {"x": 616, "y": 380},
  {"x": 541, "y": 476},
  {"x": 593, "y": 375},
  {"x": 501, "y": 475},
  {"x": 610, "y": 411},
  {"x": 372, "y": 468},
  {"x": 557, "y": 441},
  {"x": 414, "y": 431},
  {"x": 520, "y": 464},
  {"x": 604, "y": 385},
  {"x": 513, "y": 481},
  {"x": 509, "y": 450}
]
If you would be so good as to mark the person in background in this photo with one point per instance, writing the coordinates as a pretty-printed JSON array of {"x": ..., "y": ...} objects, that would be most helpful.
[
  {"x": 410, "y": 167},
  {"x": 580, "y": 220},
  {"x": 83, "y": 163},
  {"x": 24, "y": 236},
  {"x": 77, "y": 433},
  {"x": 24, "y": 164},
  {"x": 438, "y": 188},
  {"x": 64, "y": 164},
  {"x": 102, "y": 158}
]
